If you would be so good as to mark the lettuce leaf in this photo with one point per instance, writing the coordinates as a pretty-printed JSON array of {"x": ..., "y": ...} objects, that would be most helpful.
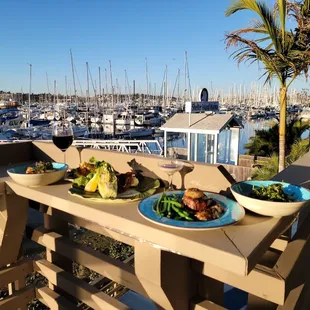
[
  {"x": 146, "y": 183},
  {"x": 148, "y": 193},
  {"x": 81, "y": 181}
]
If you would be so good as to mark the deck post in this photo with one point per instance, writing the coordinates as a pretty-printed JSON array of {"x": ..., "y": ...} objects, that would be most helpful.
[
  {"x": 60, "y": 226},
  {"x": 236, "y": 135},
  {"x": 169, "y": 292},
  {"x": 165, "y": 143},
  {"x": 13, "y": 218},
  {"x": 207, "y": 145},
  {"x": 196, "y": 147},
  {"x": 188, "y": 146},
  {"x": 215, "y": 148}
]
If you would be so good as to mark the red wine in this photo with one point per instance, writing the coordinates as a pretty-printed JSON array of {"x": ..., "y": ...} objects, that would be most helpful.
[{"x": 63, "y": 142}]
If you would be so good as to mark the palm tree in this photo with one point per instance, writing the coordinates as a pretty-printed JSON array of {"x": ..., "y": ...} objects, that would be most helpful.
[{"x": 282, "y": 53}]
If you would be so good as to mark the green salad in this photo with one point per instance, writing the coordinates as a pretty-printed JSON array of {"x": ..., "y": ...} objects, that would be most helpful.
[
  {"x": 98, "y": 179},
  {"x": 273, "y": 192}
]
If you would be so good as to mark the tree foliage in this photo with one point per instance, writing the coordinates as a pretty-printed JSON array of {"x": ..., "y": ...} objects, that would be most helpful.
[
  {"x": 284, "y": 53},
  {"x": 269, "y": 168},
  {"x": 265, "y": 141}
]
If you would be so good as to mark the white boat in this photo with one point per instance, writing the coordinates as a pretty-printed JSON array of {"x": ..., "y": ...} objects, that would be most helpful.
[
  {"x": 95, "y": 119},
  {"x": 149, "y": 119},
  {"x": 138, "y": 133},
  {"x": 108, "y": 119},
  {"x": 124, "y": 118},
  {"x": 78, "y": 131},
  {"x": 10, "y": 119}
]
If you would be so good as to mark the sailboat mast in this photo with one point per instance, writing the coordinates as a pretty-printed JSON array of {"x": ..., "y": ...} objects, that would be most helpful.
[
  {"x": 166, "y": 90},
  {"x": 117, "y": 91},
  {"x": 21, "y": 101},
  {"x": 66, "y": 86},
  {"x": 185, "y": 70},
  {"x": 111, "y": 81},
  {"x": 187, "y": 76},
  {"x": 30, "y": 78},
  {"x": 100, "y": 85},
  {"x": 54, "y": 93},
  {"x": 125, "y": 82},
  {"x": 178, "y": 85},
  {"x": 87, "y": 76},
  {"x": 48, "y": 88},
  {"x": 147, "y": 79},
  {"x": 106, "y": 81},
  {"x": 73, "y": 77}
]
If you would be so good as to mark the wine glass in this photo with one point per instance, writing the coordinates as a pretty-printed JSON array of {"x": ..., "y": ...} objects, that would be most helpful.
[
  {"x": 62, "y": 135},
  {"x": 170, "y": 167}
]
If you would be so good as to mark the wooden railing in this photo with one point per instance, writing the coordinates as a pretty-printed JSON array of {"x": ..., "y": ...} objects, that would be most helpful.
[{"x": 179, "y": 283}]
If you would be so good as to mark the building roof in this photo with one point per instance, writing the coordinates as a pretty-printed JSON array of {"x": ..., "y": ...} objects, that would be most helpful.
[{"x": 200, "y": 123}]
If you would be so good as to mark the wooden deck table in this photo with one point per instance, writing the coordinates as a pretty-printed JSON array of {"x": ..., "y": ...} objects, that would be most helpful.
[
  {"x": 227, "y": 254},
  {"x": 172, "y": 266},
  {"x": 235, "y": 248}
]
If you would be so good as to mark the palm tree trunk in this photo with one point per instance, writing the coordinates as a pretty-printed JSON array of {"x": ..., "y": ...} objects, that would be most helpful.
[{"x": 282, "y": 127}]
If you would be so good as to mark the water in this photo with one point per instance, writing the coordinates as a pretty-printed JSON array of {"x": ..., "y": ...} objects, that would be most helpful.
[{"x": 248, "y": 131}]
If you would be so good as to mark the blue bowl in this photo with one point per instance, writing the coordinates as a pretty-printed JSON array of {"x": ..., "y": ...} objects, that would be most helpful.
[
  {"x": 243, "y": 190},
  {"x": 18, "y": 174}
]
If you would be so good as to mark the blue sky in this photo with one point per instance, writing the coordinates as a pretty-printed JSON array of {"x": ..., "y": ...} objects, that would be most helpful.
[{"x": 125, "y": 32}]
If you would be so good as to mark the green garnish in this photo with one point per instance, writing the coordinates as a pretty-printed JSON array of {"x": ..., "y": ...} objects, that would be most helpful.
[{"x": 272, "y": 192}]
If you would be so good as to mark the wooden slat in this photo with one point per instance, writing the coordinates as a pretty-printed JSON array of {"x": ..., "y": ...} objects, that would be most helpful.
[
  {"x": 280, "y": 244},
  {"x": 53, "y": 300},
  {"x": 16, "y": 271},
  {"x": 18, "y": 300},
  {"x": 76, "y": 287},
  {"x": 206, "y": 305},
  {"x": 2, "y": 221},
  {"x": 85, "y": 224},
  {"x": 1, "y": 237},
  {"x": 117, "y": 271},
  {"x": 261, "y": 281},
  {"x": 165, "y": 276},
  {"x": 15, "y": 209},
  {"x": 293, "y": 265}
]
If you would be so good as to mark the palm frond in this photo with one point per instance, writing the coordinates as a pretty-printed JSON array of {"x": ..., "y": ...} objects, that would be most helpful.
[
  {"x": 299, "y": 148},
  {"x": 264, "y": 13},
  {"x": 267, "y": 169},
  {"x": 306, "y": 7}
]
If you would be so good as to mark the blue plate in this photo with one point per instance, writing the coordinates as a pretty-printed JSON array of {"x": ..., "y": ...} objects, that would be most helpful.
[{"x": 233, "y": 213}]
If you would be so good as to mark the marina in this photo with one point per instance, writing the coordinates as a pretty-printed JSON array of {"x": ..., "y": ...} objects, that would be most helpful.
[{"x": 136, "y": 121}]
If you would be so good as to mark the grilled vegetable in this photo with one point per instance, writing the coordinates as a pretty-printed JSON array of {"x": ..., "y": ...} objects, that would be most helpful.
[
  {"x": 107, "y": 184},
  {"x": 40, "y": 167}
]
